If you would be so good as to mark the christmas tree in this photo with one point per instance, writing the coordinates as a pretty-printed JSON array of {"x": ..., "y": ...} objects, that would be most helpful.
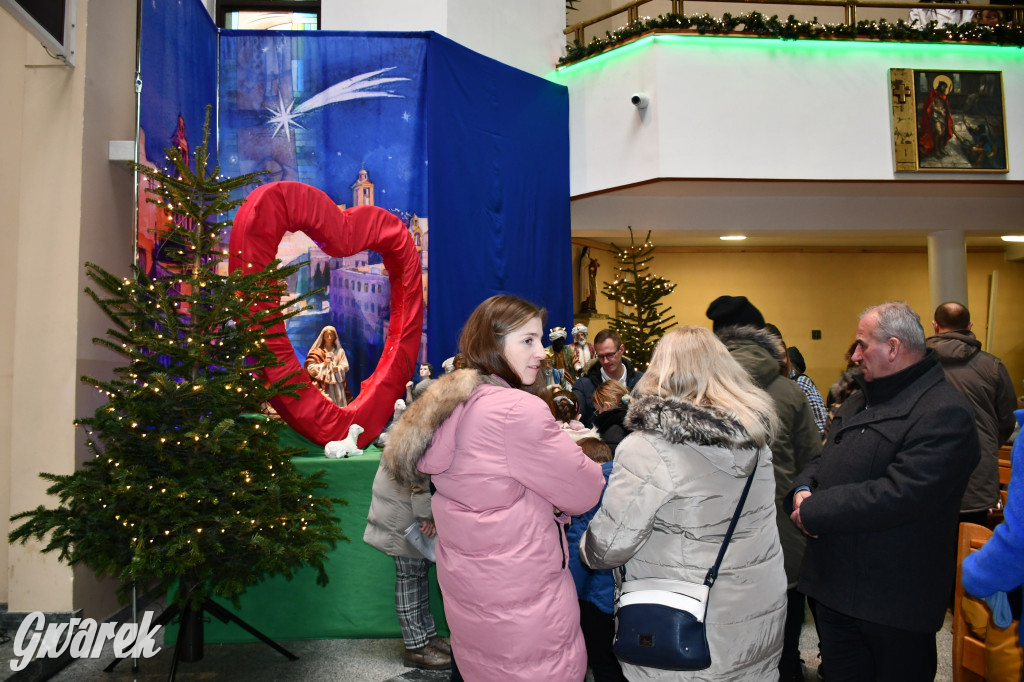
[
  {"x": 639, "y": 320},
  {"x": 188, "y": 481}
]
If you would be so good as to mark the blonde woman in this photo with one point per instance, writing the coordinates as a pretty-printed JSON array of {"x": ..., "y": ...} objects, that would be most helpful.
[{"x": 700, "y": 427}]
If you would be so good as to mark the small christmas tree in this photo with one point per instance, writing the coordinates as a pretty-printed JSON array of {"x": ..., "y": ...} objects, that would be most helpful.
[
  {"x": 188, "y": 482},
  {"x": 639, "y": 320}
]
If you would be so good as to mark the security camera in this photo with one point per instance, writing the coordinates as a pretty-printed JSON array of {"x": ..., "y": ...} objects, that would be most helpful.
[{"x": 640, "y": 100}]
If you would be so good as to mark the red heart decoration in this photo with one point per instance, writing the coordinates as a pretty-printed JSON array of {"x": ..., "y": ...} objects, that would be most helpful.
[{"x": 260, "y": 224}]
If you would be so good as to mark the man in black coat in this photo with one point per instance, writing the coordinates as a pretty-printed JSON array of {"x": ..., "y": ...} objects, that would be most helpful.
[
  {"x": 610, "y": 365},
  {"x": 880, "y": 507}
]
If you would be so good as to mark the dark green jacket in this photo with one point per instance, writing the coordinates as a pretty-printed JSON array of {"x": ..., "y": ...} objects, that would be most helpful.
[{"x": 797, "y": 440}]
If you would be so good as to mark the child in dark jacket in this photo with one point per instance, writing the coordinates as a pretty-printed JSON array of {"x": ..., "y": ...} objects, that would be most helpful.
[
  {"x": 595, "y": 589},
  {"x": 610, "y": 402}
]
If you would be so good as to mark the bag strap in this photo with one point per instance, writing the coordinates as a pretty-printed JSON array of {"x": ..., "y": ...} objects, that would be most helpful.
[{"x": 712, "y": 575}]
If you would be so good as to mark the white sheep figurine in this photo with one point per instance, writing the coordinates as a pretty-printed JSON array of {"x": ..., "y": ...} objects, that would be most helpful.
[
  {"x": 337, "y": 449},
  {"x": 382, "y": 439},
  {"x": 399, "y": 410}
]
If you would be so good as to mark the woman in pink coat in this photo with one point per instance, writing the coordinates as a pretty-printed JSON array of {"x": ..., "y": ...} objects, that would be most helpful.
[{"x": 507, "y": 480}]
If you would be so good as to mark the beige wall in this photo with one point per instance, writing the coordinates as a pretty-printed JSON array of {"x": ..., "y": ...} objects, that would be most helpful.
[
  {"x": 799, "y": 292},
  {"x": 42, "y": 236},
  {"x": 61, "y": 203},
  {"x": 12, "y": 76},
  {"x": 106, "y": 225}
]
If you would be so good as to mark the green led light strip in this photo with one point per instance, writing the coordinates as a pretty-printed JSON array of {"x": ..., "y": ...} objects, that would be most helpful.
[{"x": 763, "y": 33}]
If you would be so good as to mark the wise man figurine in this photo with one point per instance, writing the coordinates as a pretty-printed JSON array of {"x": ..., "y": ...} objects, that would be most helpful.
[
  {"x": 561, "y": 356},
  {"x": 582, "y": 352}
]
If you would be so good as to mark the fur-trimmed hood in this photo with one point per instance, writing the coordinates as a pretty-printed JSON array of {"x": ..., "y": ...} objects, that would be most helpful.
[
  {"x": 410, "y": 436},
  {"x": 678, "y": 421},
  {"x": 760, "y": 352}
]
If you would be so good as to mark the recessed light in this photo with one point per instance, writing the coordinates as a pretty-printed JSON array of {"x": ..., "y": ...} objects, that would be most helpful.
[
  {"x": 733, "y": 237},
  {"x": 1013, "y": 237}
]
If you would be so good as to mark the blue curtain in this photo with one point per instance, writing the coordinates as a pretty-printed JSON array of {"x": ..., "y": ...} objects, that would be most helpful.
[
  {"x": 474, "y": 152},
  {"x": 179, "y": 75},
  {"x": 498, "y": 189}
]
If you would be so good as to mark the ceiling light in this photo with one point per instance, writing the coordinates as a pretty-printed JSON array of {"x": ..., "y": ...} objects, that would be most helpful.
[
  {"x": 1013, "y": 237},
  {"x": 733, "y": 237}
]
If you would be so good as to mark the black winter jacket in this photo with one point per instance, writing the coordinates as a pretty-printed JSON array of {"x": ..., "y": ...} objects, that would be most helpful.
[
  {"x": 585, "y": 386},
  {"x": 885, "y": 500}
]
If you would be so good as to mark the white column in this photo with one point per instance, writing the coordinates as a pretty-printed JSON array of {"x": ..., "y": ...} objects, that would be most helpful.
[{"x": 947, "y": 269}]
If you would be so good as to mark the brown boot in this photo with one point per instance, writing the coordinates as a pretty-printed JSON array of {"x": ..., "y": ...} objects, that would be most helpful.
[
  {"x": 428, "y": 658},
  {"x": 441, "y": 644}
]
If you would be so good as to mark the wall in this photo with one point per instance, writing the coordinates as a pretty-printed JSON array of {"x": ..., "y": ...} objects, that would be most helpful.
[
  {"x": 526, "y": 34},
  {"x": 62, "y": 203},
  {"x": 13, "y": 45},
  {"x": 106, "y": 226},
  {"x": 755, "y": 108},
  {"x": 801, "y": 291},
  {"x": 41, "y": 242}
]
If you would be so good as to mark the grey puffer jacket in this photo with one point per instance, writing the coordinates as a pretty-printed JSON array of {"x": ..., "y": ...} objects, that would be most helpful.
[
  {"x": 393, "y": 508},
  {"x": 672, "y": 492},
  {"x": 983, "y": 380},
  {"x": 797, "y": 440}
]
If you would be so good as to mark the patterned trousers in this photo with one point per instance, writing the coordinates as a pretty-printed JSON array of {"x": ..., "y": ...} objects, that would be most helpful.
[{"x": 412, "y": 601}]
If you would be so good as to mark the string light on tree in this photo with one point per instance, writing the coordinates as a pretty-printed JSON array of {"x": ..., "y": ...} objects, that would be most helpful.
[
  {"x": 639, "y": 320},
  {"x": 148, "y": 505}
]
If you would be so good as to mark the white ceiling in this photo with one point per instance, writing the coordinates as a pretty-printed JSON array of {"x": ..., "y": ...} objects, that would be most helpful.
[{"x": 815, "y": 214}]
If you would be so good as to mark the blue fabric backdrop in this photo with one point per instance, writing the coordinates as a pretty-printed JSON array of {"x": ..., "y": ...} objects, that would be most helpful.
[
  {"x": 470, "y": 151},
  {"x": 498, "y": 143},
  {"x": 178, "y": 56}
]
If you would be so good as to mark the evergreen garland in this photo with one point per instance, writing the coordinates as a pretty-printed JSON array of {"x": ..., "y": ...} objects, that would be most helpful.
[
  {"x": 188, "y": 482},
  {"x": 756, "y": 24},
  {"x": 639, "y": 322}
]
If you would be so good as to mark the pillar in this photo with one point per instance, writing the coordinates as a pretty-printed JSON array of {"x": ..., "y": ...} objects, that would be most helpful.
[{"x": 947, "y": 269}]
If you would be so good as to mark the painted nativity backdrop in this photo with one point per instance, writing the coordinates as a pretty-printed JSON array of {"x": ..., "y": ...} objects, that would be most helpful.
[{"x": 470, "y": 154}]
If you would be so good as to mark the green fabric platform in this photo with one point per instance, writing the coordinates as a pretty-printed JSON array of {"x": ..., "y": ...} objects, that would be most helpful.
[{"x": 359, "y": 601}]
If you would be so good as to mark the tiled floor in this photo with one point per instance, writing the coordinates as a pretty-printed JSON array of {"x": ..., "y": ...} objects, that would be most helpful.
[{"x": 340, "y": 660}]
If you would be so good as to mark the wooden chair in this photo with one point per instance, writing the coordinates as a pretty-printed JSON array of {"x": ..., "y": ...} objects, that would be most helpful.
[
  {"x": 1004, "y": 465},
  {"x": 968, "y": 651}
]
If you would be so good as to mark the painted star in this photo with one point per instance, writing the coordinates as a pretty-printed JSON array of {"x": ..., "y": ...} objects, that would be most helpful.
[
  {"x": 357, "y": 87},
  {"x": 284, "y": 117}
]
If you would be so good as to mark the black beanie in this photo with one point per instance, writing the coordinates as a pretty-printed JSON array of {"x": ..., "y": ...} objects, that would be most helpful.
[
  {"x": 734, "y": 311},
  {"x": 796, "y": 359}
]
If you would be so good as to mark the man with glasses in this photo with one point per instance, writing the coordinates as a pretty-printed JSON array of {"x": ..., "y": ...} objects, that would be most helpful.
[{"x": 611, "y": 365}]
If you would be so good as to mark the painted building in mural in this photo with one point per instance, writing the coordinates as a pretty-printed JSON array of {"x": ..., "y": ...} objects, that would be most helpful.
[
  {"x": 359, "y": 290},
  {"x": 358, "y": 297}
]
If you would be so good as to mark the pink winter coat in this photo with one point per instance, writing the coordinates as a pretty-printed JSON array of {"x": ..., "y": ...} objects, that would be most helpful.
[{"x": 501, "y": 465}]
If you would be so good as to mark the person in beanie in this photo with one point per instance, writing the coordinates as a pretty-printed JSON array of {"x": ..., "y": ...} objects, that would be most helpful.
[
  {"x": 741, "y": 327},
  {"x": 733, "y": 311}
]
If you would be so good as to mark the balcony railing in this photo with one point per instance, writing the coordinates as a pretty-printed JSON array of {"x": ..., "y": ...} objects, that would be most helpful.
[{"x": 631, "y": 24}]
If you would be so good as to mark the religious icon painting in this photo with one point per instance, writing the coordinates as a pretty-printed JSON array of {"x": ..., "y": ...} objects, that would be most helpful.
[{"x": 948, "y": 120}]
